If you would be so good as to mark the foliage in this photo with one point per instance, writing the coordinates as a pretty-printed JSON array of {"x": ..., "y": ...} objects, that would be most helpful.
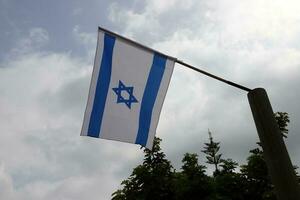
[
  {"x": 211, "y": 150},
  {"x": 156, "y": 179},
  {"x": 151, "y": 180},
  {"x": 258, "y": 183},
  {"x": 192, "y": 181},
  {"x": 228, "y": 166},
  {"x": 282, "y": 119}
]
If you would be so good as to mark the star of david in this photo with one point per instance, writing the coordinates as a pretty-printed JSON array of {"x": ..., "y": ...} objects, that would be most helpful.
[{"x": 125, "y": 94}]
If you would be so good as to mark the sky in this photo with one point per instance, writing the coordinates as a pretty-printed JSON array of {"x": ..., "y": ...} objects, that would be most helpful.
[{"x": 46, "y": 56}]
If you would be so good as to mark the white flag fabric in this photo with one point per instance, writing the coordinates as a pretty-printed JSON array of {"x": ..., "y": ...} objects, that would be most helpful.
[{"x": 128, "y": 87}]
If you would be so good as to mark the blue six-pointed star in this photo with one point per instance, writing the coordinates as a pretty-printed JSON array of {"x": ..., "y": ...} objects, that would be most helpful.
[{"x": 121, "y": 99}]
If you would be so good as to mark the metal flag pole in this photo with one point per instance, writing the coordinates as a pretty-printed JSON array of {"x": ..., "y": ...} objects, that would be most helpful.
[
  {"x": 213, "y": 76},
  {"x": 275, "y": 153}
]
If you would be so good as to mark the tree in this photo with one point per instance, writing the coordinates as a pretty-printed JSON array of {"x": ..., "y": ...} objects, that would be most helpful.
[
  {"x": 282, "y": 119},
  {"x": 156, "y": 179},
  {"x": 228, "y": 166},
  {"x": 228, "y": 183},
  {"x": 211, "y": 150},
  {"x": 192, "y": 183},
  {"x": 150, "y": 180},
  {"x": 258, "y": 185}
]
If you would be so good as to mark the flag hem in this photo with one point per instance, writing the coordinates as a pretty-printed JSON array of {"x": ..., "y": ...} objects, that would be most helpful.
[{"x": 135, "y": 43}]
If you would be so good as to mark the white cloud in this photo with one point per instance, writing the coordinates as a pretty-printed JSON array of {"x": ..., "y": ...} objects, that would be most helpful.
[
  {"x": 43, "y": 94},
  {"x": 6, "y": 185},
  {"x": 86, "y": 40},
  {"x": 252, "y": 42},
  {"x": 42, "y": 105},
  {"x": 83, "y": 37},
  {"x": 37, "y": 38}
]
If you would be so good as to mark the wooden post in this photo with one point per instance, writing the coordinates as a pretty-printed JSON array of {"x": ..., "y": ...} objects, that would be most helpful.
[{"x": 275, "y": 153}]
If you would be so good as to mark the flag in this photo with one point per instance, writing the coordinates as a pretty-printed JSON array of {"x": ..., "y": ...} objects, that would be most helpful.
[{"x": 128, "y": 86}]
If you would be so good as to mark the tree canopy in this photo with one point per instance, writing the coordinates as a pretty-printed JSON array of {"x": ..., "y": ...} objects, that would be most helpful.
[{"x": 156, "y": 179}]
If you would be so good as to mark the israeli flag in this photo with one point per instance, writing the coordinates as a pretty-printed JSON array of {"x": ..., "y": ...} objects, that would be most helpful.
[{"x": 127, "y": 90}]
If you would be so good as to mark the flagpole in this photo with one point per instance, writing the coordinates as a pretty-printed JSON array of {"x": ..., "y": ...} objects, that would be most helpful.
[
  {"x": 275, "y": 153},
  {"x": 213, "y": 76}
]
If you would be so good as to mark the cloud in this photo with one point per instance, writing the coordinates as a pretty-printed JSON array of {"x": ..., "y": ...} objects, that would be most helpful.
[
  {"x": 6, "y": 186},
  {"x": 43, "y": 93},
  {"x": 37, "y": 38},
  {"x": 85, "y": 40},
  {"x": 252, "y": 43},
  {"x": 44, "y": 97}
]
